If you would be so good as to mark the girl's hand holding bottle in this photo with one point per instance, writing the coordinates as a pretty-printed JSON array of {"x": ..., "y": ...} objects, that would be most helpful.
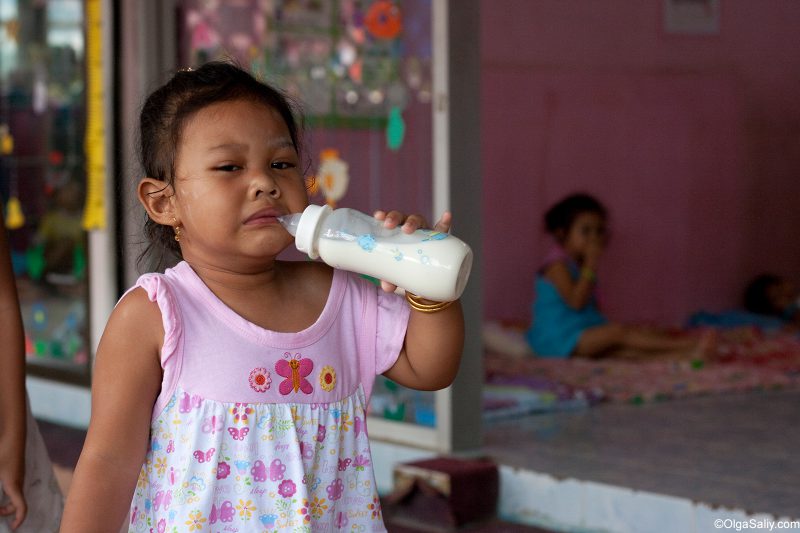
[{"x": 409, "y": 224}]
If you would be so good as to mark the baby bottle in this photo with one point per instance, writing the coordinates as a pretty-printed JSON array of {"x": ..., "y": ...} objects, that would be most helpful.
[{"x": 430, "y": 264}]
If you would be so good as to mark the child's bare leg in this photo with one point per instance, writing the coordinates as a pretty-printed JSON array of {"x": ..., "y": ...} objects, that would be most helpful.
[
  {"x": 611, "y": 338},
  {"x": 599, "y": 340}
]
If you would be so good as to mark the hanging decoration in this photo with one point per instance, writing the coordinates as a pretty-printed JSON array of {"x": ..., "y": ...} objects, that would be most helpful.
[
  {"x": 333, "y": 176},
  {"x": 395, "y": 129},
  {"x": 383, "y": 20},
  {"x": 15, "y": 219},
  {"x": 341, "y": 58},
  {"x": 94, "y": 215},
  {"x": 6, "y": 140}
]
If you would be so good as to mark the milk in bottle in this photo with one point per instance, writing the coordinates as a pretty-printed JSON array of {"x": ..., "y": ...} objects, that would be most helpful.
[{"x": 428, "y": 263}]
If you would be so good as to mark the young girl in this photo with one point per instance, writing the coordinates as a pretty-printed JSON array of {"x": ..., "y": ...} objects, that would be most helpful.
[
  {"x": 773, "y": 296},
  {"x": 566, "y": 319},
  {"x": 230, "y": 393},
  {"x": 30, "y": 500}
]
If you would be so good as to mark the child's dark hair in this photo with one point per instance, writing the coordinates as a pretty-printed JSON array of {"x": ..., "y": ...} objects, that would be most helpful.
[
  {"x": 756, "y": 294},
  {"x": 161, "y": 124},
  {"x": 559, "y": 218}
]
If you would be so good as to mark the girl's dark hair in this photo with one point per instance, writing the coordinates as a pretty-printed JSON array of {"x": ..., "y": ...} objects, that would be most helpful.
[
  {"x": 559, "y": 218},
  {"x": 756, "y": 294},
  {"x": 161, "y": 123}
]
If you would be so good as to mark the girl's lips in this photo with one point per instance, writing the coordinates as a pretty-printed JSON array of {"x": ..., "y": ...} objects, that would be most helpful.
[{"x": 265, "y": 216}]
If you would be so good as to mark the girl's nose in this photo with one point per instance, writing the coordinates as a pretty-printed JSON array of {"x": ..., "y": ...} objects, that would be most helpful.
[{"x": 264, "y": 184}]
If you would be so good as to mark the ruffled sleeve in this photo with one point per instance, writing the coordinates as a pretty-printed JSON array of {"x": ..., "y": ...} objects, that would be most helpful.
[{"x": 159, "y": 291}]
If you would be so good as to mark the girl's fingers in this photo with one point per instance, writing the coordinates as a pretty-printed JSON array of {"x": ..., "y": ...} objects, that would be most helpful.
[
  {"x": 414, "y": 222},
  {"x": 15, "y": 507},
  {"x": 445, "y": 222},
  {"x": 392, "y": 219}
]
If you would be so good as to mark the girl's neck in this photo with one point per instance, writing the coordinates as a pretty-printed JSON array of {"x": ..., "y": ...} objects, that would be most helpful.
[{"x": 220, "y": 278}]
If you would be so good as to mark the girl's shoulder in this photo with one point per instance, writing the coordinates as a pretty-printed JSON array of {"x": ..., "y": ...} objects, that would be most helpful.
[
  {"x": 555, "y": 253},
  {"x": 556, "y": 256},
  {"x": 139, "y": 308}
]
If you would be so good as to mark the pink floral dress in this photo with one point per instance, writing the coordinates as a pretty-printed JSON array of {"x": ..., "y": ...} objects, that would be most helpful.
[{"x": 256, "y": 430}]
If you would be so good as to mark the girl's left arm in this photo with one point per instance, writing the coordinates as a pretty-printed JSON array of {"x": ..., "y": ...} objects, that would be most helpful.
[{"x": 434, "y": 342}]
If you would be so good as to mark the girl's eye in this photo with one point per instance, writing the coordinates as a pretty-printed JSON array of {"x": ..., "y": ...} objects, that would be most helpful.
[
  {"x": 282, "y": 165},
  {"x": 228, "y": 168}
]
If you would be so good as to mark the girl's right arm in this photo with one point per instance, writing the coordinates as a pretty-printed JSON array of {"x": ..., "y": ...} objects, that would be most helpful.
[
  {"x": 126, "y": 382},
  {"x": 576, "y": 293}
]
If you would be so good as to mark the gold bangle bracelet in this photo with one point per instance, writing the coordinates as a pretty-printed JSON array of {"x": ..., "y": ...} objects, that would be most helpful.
[{"x": 415, "y": 303}]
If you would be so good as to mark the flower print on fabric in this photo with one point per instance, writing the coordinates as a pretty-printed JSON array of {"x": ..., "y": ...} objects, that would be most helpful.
[
  {"x": 245, "y": 509},
  {"x": 304, "y": 512},
  {"x": 361, "y": 462},
  {"x": 294, "y": 368},
  {"x": 259, "y": 379},
  {"x": 335, "y": 489},
  {"x": 196, "y": 520},
  {"x": 241, "y": 412},
  {"x": 318, "y": 508},
  {"x": 287, "y": 488},
  {"x": 223, "y": 470},
  {"x": 375, "y": 508},
  {"x": 327, "y": 378}
]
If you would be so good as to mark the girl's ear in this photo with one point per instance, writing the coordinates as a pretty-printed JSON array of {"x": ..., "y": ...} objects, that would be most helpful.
[
  {"x": 560, "y": 234},
  {"x": 156, "y": 197}
]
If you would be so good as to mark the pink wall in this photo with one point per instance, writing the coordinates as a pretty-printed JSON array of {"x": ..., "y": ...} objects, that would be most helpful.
[{"x": 692, "y": 142}]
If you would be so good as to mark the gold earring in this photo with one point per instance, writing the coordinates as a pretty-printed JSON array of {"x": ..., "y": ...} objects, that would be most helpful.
[{"x": 177, "y": 229}]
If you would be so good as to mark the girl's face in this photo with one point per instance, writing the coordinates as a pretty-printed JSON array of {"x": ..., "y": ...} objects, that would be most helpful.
[
  {"x": 236, "y": 170},
  {"x": 781, "y": 295},
  {"x": 588, "y": 230}
]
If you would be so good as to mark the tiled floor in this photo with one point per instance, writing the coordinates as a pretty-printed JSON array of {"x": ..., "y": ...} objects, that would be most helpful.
[{"x": 737, "y": 451}]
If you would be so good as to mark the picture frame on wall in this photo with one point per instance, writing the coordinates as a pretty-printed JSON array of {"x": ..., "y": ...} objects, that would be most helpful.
[{"x": 691, "y": 17}]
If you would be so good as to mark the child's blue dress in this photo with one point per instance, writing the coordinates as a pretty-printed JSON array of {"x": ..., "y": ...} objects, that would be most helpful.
[{"x": 556, "y": 326}]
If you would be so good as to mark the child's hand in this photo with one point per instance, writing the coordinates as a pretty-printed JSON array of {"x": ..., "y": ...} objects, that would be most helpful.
[
  {"x": 12, "y": 486},
  {"x": 410, "y": 224}
]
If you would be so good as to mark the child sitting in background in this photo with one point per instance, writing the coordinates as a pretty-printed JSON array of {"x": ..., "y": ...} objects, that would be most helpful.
[
  {"x": 774, "y": 296},
  {"x": 566, "y": 318}
]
